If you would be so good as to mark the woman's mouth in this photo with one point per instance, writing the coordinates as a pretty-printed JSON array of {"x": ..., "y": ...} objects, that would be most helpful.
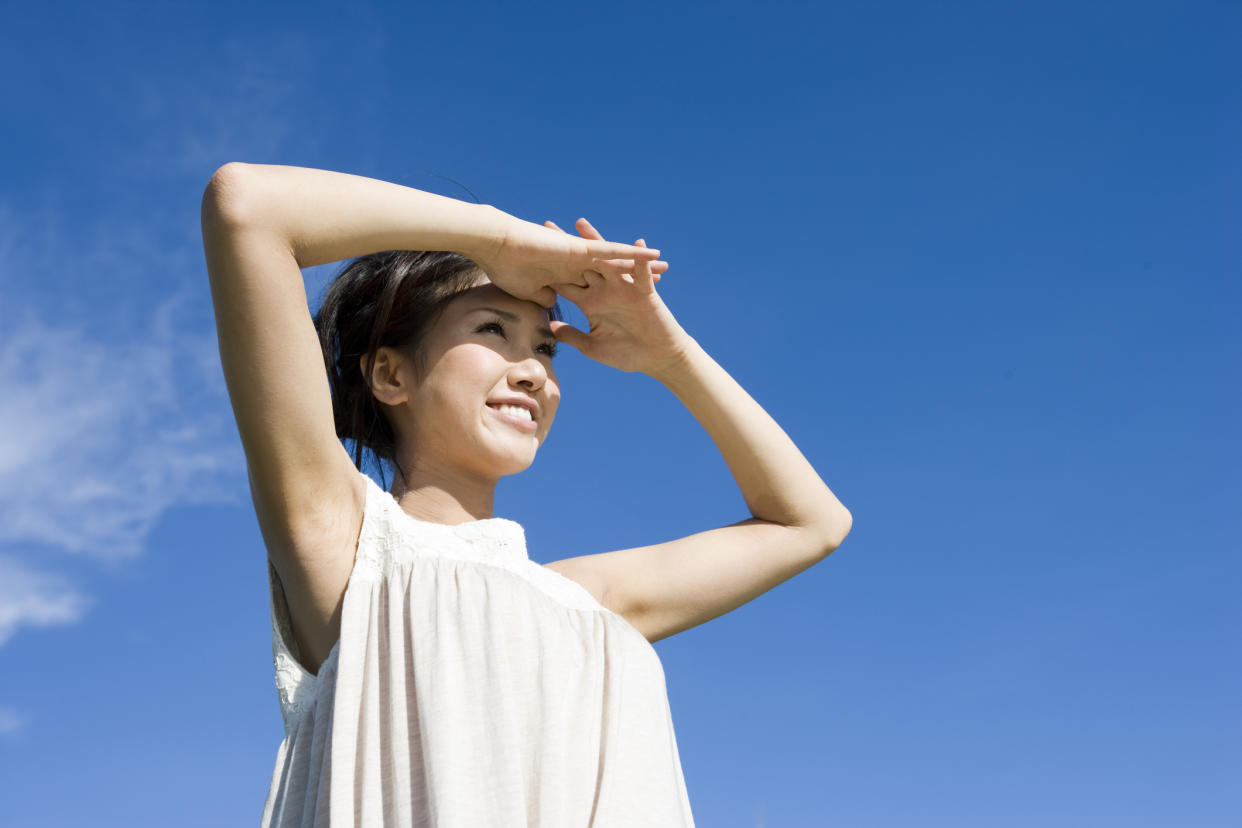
[{"x": 515, "y": 416}]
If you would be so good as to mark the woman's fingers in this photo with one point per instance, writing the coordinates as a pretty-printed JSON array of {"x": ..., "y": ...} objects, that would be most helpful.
[
  {"x": 613, "y": 250},
  {"x": 564, "y": 332},
  {"x": 621, "y": 267},
  {"x": 629, "y": 264},
  {"x": 587, "y": 230},
  {"x": 639, "y": 270},
  {"x": 621, "y": 252},
  {"x": 546, "y": 296},
  {"x": 613, "y": 267},
  {"x": 621, "y": 255},
  {"x": 642, "y": 270},
  {"x": 571, "y": 291}
]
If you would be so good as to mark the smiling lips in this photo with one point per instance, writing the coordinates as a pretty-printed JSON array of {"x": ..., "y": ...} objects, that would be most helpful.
[
  {"x": 529, "y": 403},
  {"x": 516, "y": 416}
]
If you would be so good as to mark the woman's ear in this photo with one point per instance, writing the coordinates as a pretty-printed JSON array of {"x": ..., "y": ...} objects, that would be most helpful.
[{"x": 388, "y": 381}]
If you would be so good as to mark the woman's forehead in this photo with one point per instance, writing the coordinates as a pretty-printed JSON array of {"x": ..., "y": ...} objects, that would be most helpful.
[{"x": 486, "y": 294}]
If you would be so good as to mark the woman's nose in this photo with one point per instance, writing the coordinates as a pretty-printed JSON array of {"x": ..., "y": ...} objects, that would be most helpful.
[{"x": 528, "y": 372}]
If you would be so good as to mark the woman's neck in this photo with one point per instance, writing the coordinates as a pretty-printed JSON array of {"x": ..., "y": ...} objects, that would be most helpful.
[{"x": 445, "y": 498}]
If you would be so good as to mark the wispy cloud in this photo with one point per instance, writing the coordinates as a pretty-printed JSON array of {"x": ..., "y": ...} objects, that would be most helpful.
[
  {"x": 113, "y": 413},
  {"x": 99, "y": 441},
  {"x": 112, "y": 400},
  {"x": 106, "y": 426},
  {"x": 29, "y": 597}
]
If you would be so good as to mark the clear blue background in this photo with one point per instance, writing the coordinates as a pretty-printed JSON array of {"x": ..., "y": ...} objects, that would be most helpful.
[{"x": 980, "y": 260}]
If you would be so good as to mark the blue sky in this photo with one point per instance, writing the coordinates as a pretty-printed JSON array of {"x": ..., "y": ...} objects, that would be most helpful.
[{"x": 980, "y": 260}]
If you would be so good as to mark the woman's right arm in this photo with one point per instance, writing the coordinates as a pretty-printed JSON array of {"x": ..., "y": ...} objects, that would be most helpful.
[
  {"x": 261, "y": 224},
  {"x": 326, "y": 216}
]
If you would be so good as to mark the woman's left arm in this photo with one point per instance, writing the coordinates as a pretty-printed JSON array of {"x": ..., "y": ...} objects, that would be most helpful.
[
  {"x": 665, "y": 588},
  {"x": 778, "y": 483}
]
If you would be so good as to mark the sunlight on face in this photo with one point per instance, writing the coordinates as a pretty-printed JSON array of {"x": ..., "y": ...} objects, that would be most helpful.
[{"x": 487, "y": 348}]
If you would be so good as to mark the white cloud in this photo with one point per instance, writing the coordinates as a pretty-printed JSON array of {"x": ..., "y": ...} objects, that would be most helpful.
[
  {"x": 32, "y": 598},
  {"x": 113, "y": 407},
  {"x": 103, "y": 430},
  {"x": 101, "y": 439}
]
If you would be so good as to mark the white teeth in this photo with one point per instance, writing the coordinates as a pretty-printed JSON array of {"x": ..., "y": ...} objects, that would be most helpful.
[{"x": 516, "y": 411}]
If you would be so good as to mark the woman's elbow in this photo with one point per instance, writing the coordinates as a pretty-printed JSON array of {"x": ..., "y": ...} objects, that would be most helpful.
[
  {"x": 224, "y": 196},
  {"x": 832, "y": 528}
]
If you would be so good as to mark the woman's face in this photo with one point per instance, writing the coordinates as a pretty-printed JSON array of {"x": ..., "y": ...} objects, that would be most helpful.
[{"x": 487, "y": 348}]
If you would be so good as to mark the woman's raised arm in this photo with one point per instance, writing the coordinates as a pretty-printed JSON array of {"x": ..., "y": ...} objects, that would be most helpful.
[
  {"x": 796, "y": 520},
  {"x": 324, "y": 216},
  {"x": 261, "y": 224},
  {"x": 328, "y": 216}
]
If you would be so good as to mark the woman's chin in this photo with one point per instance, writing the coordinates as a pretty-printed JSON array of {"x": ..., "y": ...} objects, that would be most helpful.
[
  {"x": 514, "y": 460},
  {"x": 516, "y": 464},
  {"x": 511, "y": 453}
]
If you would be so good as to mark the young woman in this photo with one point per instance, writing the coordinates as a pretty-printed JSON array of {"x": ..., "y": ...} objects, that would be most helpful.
[{"x": 429, "y": 672}]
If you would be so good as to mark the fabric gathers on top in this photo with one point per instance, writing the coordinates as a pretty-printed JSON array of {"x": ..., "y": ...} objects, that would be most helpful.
[{"x": 471, "y": 687}]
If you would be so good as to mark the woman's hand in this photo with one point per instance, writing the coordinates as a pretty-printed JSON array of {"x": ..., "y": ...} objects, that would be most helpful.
[
  {"x": 527, "y": 260},
  {"x": 631, "y": 328}
]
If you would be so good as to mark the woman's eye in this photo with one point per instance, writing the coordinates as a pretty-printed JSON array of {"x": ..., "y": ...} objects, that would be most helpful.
[{"x": 549, "y": 348}]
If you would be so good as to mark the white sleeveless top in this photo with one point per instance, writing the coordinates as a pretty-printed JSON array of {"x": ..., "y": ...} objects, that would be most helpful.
[{"x": 471, "y": 687}]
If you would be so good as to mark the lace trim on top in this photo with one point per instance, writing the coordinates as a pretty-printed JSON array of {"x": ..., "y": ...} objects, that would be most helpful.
[
  {"x": 296, "y": 694},
  {"x": 390, "y": 536}
]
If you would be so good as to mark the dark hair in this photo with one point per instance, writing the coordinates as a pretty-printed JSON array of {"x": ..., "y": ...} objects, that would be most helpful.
[{"x": 386, "y": 299}]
